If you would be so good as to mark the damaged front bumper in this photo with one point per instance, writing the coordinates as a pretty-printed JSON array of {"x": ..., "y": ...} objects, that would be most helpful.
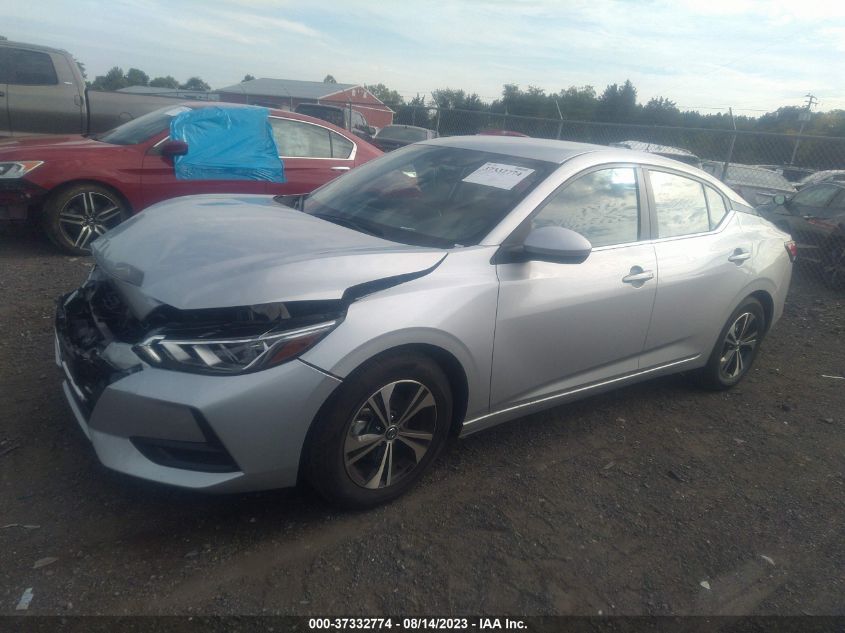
[{"x": 220, "y": 433}]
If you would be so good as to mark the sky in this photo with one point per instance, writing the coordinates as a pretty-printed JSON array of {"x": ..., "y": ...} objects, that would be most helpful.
[{"x": 706, "y": 55}]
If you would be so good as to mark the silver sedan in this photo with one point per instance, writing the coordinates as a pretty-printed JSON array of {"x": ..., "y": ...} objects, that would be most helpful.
[{"x": 234, "y": 343}]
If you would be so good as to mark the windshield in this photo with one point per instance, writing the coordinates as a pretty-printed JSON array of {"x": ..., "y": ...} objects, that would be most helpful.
[
  {"x": 429, "y": 195},
  {"x": 140, "y": 129},
  {"x": 332, "y": 115},
  {"x": 401, "y": 133}
]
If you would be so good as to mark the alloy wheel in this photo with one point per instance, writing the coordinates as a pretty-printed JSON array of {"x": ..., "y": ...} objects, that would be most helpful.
[
  {"x": 390, "y": 434},
  {"x": 738, "y": 347},
  {"x": 88, "y": 215}
]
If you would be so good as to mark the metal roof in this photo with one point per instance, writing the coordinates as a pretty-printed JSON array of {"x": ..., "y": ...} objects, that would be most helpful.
[{"x": 286, "y": 88}]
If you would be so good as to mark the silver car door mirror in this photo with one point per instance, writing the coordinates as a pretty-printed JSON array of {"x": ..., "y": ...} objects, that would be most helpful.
[{"x": 556, "y": 244}]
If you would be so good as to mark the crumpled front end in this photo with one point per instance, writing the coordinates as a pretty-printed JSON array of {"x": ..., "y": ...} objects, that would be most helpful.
[{"x": 211, "y": 427}]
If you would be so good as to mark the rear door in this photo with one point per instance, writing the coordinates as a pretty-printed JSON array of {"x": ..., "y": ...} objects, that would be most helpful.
[
  {"x": 41, "y": 94},
  {"x": 312, "y": 155},
  {"x": 704, "y": 260}
]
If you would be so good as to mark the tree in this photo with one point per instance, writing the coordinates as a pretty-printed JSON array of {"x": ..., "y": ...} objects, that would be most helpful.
[
  {"x": 3, "y": 37},
  {"x": 112, "y": 80},
  {"x": 164, "y": 82},
  {"x": 661, "y": 111},
  {"x": 385, "y": 94},
  {"x": 451, "y": 99},
  {"x": 329, "y": 79},
  {"x": 135, "y": 77},
  {"x": 248, "y": 78},
  {"x": 195, "y": 83},
  {"x": 618, "y": 103},
  {"x": 578, "y": 103}
]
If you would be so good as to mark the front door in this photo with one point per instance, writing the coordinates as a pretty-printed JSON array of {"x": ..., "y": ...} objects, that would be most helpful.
[
  {"x": 159, "y": 182},
  {"x": 561, "y": 326}
]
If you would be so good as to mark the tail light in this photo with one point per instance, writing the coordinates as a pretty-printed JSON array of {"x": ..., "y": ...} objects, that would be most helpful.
[{"x": 792, "y": 249}]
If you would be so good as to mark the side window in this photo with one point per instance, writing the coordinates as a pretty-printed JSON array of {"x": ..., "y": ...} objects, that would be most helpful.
[
  {"x": 817, "y": 196},
  {"x": 716, "y": 205},
  {"x": 297, "y": 139},
  {"x": 680, "y": 205},
  {"x": 603, "y": 206},
  {"x": 341, "y": 147},
  {"x": 30, "y": 68}
]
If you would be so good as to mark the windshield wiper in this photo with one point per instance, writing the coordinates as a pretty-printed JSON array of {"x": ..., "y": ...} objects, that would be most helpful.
[{"x": 350, "y": 223}]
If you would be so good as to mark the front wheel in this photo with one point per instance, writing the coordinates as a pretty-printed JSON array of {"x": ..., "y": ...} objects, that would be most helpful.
[
  {"x": 76, "y": 216},
  {"x": 381, "y": 431},
  {"x": 737, "y": 346}
]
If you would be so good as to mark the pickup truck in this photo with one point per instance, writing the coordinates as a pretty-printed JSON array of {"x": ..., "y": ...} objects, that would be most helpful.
[{"x": 42, "y": 92}]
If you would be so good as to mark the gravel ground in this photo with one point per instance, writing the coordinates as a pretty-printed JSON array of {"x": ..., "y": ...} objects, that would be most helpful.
[{"x": 627, "y": 503}]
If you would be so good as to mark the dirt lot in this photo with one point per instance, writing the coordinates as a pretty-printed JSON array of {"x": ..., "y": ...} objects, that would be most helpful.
[{"x": 621, "y": 504}]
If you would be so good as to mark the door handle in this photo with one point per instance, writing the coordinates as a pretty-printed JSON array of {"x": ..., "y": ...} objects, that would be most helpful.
[
  {"x": 739, "y": 256},
  {"x": 341, "y": 168},
  {"x": 638, "y": 276}
]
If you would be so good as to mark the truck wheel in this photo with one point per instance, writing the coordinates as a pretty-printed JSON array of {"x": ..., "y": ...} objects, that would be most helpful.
[{"x": 76, "y": 216}]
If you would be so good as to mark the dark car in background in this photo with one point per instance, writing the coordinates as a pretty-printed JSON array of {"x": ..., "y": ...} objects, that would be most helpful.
[
  {"x": 80, "y": 187},
  {"x": 393, "y": 137},
  {"x": 346, "y": 118},
  {"x": 815, "y": 217},
  {"x": 758, "y": 185}
]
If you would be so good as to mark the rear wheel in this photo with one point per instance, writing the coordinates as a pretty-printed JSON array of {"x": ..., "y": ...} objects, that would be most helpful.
[
  {"x": 833, "y": 265},
  {"x": 381, "y": 431},
  {"x": 74, "y": 217},
  {"x": 737, "y": 346}
]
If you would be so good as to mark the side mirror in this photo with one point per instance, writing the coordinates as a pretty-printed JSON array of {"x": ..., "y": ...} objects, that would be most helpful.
[
  {"x": 173, "y": 148},
  {"x": 779, "y": 199},
  {"x": 556, "y": 244}
]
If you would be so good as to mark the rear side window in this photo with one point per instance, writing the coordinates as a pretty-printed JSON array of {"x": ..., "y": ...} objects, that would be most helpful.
[
  {"x": 297, "y": 139},
  {"x": 817, "y": 196},
  {"x": 341, "y": 147},
  {"x": 29, "y": 68},
  {"x": 716, "y": 205},
  {"x": 603, "y": 206},
  {"x": 680, "y": 205}
]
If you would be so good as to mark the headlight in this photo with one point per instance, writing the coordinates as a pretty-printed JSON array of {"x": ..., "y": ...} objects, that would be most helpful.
[
  {"x": 231, "y": 356},
  {"x": 18, "y": 169}
]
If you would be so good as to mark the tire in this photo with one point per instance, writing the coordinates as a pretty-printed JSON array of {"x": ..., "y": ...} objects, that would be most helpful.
[
  {"x": 833, "y": 266},
  {"x": 74, "y": 216},
  {"x": 358, "y": 474},
  {"x": 736, "y": 348}
]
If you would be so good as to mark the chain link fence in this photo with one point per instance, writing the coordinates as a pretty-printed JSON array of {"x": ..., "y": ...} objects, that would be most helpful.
[{"x": 795, "y": 181}]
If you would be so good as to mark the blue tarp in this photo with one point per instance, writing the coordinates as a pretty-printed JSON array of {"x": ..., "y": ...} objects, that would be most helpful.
[{"x": 226, "y": 144}]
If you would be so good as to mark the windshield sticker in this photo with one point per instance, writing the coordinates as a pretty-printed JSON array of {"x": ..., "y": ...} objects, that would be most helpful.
[
  {"x": 499, "y": 175},
  {"x": 177, "y": 111}
]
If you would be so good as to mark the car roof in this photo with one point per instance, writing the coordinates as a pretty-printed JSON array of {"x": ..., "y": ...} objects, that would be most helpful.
[{"x": 33, "y": 47}]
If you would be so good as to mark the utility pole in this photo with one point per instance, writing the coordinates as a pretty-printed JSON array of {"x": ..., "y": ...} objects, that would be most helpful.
[
  {"x": 731, "y": 148},
  {"x": 803, "y": 116}
]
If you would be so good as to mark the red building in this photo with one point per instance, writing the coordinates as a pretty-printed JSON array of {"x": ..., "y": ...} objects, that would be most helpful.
[{"x": 289, "y": 93}]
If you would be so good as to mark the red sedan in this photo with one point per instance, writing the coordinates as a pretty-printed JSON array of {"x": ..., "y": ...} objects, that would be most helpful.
[{"x": 81, "y": 187}]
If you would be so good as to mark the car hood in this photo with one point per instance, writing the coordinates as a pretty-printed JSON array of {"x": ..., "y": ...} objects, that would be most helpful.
[
  {"x": 37, "y": 147},
  {"x": 224, "y": 251}
]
